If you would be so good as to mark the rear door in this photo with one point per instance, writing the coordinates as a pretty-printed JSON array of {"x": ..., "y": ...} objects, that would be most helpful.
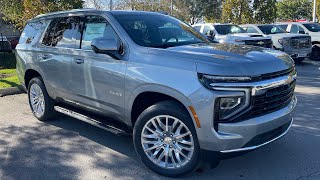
[
  {"x": 60, "y": 40},
  {"x": 98, "y": 79}
]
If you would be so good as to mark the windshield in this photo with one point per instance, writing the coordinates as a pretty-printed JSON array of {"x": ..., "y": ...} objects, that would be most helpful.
[
  {"x": 313, "y": 27},
  {"x": 160, "y": 31},
  {"x": 271, "y": 29},
  {"x": 228, "y": 29}
]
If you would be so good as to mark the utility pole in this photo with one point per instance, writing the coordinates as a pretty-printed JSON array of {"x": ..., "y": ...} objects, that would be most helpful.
[
  {"x": 314, "y": 16},
  {"x": 111, "y": 5},
  {"x": 171, "y": 7}
]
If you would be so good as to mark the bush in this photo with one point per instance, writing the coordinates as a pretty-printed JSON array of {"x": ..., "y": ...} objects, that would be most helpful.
[{"x": 7, "y": 61}]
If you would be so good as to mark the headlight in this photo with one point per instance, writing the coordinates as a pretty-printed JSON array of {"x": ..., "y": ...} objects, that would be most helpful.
[
  {"x": 284, "y": 42},
  {"x": 206, "y": 80},
  {"x": 229, "y": 106}
]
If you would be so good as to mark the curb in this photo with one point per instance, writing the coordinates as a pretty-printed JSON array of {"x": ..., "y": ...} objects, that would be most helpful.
[{"x": 12, "y": 91}]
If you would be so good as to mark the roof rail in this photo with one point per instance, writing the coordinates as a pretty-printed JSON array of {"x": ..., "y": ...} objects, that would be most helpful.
[{"x": 64, "y": 12}]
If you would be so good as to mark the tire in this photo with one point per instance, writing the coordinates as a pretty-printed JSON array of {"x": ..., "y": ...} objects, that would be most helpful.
[
  {"x": 315, "y": 54},
  {"x": 175, "y": 113},
  {"x": 40, "y": 100},
  {"x": 299, "y": 60}
]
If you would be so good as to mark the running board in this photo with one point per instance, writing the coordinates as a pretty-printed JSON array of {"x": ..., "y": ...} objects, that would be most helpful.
[{"x": 91, "y": 121}]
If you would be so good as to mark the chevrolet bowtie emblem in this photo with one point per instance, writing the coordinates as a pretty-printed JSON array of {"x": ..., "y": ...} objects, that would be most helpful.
[{"x": 260, "y": 42}]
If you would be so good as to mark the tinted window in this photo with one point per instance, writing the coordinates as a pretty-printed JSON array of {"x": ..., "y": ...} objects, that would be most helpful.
[
  {"x": 228, "y": 29},
  {"x": 198, "y": 28},
  {"x": 67, "y": 33},
  {"x": 294, "y": 28},
  {"x": 95, "y": 27},
  {"x": 31, "y": 30},
  {"x": 313, "y": 27},
  {"x": 251, "y": 30},
  {"x": 48, "y": 36},
  {"x": 156, "y": 30},
  {"x": 283, "y": 26},
  {"x": 271, "y": 29}
]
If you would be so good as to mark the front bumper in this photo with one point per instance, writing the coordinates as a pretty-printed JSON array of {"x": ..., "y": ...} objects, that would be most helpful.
[
  {"x": 299, "y": 53},
  {"x": 238, "y": 136}
]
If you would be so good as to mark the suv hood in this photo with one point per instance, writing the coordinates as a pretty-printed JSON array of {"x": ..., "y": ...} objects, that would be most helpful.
[
  {"x": 231, "y": 59},
  {"x": 287, "y": 35},
  {"x": 246, "y": 35}
]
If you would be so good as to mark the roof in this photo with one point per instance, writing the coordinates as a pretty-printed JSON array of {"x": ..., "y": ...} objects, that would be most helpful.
[
  {"x": 66, "y": 12},
  {"x": 257, "y": 24},
  {"x": 115, "y": 12},
  {"x": 294, "y": 23}
]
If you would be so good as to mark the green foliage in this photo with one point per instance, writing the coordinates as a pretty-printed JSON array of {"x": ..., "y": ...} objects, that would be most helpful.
[
  {"x": 19, "y": 11},
  {"x": 265, "y": 11},
  {"x": 237, "y": 11},
  {"x": 294, "y": 9}
]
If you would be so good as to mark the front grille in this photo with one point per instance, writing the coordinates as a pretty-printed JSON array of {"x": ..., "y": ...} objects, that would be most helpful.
[
  {"x": 262, "y": 43},
  {"x": 271, "y": 101},
  {"x": 300, "y": 43}
]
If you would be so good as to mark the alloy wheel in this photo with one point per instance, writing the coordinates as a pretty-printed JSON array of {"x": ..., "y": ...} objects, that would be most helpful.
[{"x": 167, "y": 142}]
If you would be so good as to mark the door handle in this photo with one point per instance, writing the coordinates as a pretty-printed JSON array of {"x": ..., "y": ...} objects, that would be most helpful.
[{"x": 79, "y": 61}]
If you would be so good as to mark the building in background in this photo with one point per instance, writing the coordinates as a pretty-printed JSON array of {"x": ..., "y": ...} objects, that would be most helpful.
[{"x": 9, "y": 31}]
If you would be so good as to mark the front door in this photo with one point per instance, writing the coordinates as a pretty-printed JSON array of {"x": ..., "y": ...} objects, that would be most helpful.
[{"x": 98, "y": 79}]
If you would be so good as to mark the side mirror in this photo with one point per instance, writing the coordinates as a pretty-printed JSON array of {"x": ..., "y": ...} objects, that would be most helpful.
[
  {"x": 301, "y": 32},
  {"x": 210, "y": 33},
  {"x": 210, "y": 36},
  {"x": 106, "y": 45}
]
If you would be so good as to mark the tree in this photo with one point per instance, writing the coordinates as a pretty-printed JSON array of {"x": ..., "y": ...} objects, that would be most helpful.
[
  {"x": 264, "y": 11},
  {"x": 294, "y": 9},
  {"x": 237, "y": 11},
  {"x": 19, "y": 11}
]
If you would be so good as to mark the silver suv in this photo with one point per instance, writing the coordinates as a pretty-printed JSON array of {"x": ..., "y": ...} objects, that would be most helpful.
[
  {"x": 298, "y": 46},
  {"x": 233, "y": 34},
  {"x": 309, "y": 28},
  {"x": 155, "y": 77}
]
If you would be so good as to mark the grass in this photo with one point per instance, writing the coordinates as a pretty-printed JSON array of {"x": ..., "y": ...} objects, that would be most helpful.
[{"x": 10, "y": 78}]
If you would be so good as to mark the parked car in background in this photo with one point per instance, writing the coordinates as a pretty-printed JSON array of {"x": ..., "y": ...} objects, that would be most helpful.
[
  {"x": 14, "y": 42},
  {"x": 153, "y": 76},
  {"x": 5, "y": 45},
  {"x": 310, "y": 28},
  {"x": 233, "y": 34},
  {"x": 298, "y": 46}
]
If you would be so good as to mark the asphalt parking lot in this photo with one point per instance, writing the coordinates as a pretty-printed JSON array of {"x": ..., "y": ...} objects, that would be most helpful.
[{"x": 66, "y": 148}]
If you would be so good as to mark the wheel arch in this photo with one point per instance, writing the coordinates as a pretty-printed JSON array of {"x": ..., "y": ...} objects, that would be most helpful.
[
  {"x": 29, "y": 74},
  {"x": 154, "y": 94}
]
